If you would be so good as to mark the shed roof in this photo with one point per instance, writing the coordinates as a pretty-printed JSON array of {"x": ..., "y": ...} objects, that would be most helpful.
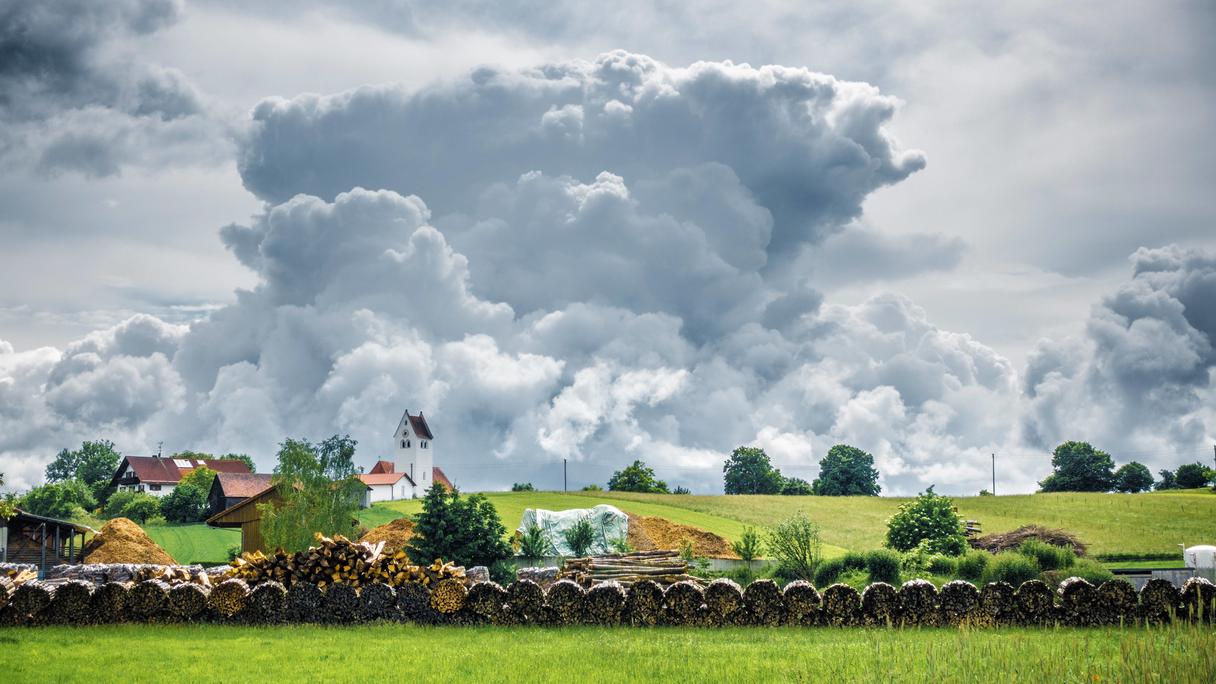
[{"x": 241, "y": 484}]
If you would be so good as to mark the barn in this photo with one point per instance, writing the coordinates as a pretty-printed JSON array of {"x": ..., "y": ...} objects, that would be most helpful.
[{"x": 37, "y": 540}]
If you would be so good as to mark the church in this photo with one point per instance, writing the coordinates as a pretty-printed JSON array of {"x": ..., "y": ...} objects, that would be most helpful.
[{"x": 412, "y": 470}]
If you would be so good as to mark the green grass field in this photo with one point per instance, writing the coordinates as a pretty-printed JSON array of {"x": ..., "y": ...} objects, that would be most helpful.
[
  {"x": 178, "y": 653},
  {"x": 195, "y": 543}
]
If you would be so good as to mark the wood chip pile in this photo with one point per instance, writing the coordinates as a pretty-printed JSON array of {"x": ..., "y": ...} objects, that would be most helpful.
[
  {"x": 663, "y": 567},
  {"x": 122, "y": 541}
]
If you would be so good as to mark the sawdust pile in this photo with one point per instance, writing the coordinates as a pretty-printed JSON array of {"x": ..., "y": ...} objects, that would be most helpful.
[
  {"x": 395, "y": 534},
  {"x": 650, "y": 533},
  {"x": 122, "y": 541}
]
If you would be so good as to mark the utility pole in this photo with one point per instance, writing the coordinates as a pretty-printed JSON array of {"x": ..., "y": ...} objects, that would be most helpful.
[
  {"x": 994, "y": 474},
  {"x": 159, "y": 448},
  {"x": 563, "y": 474}
]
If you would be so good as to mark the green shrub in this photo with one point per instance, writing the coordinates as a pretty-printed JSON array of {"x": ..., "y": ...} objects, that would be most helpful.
[
  {"x": 930, "y": 518},
  {"x": 185, "y": 504},
  {"x": 1011, "y": 567},
  {"x": 828, "y": 571},
  {"x": 795, "y": 544},
  {"x": 853, "y": 560},
  {"x": 1048, "y": 556},
  {"x": 534, "y": 543},
  {"x": 749, "y": 547},
  {"x": 1092, "y": 571},
  {"x": 883, "y": 566},
  {"x": 972, "y": 565},
  {"x": 858, "y": 579},
  {"x": 942, "y": 565},
  {"x": 522, "y": 487},
  {"x": 141, "y": 508},
  {"x": 592, "y": 488},
  {"x": 464, "y": 530},
  {"x": 580, "y": 536}
]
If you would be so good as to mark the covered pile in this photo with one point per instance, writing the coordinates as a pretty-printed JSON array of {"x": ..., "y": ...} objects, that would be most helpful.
[{"x": 122, "y": 541}]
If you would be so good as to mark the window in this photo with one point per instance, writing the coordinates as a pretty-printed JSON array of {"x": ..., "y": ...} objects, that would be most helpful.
[
  {"x": 423, "y": 442},
  {"x": 154, "y": 488},
  {"x": 404, "y": 444},
  {"x": 141, "y": 488}
]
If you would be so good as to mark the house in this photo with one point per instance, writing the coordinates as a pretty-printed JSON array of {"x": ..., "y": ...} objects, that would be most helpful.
[
  {"x": 245, "y": 515},
  {"x": 37, "y": 540},
  {"x": 229, "y": 489},
  {"x": 159, "y": 476},
  {"x": 412, "y": 470}
]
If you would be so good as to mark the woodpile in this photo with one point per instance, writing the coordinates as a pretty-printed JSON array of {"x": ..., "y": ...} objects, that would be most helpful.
[
  {"x": 880, "y": 605},
  {"x": 764, "y": 603},
  {"x": 380, "y": 603},
  {"x": 6, "y": 591},
  {"x": 918, "y": 603},
  {"x": 488, "y": 600},
  {"x": 567, "y": 600},
  {"x": 1035, "y": 603},
  {"x": 841, "y": 605},
  {"x": 1078, "y": 602},
  {"x": 525, "y": 601},
  {"x": 998, "y": 603},
  {"x": 1007, "y": 541},
  {"x": 71, "y": 603},
  {"x": 100, "y": 573},
  {"x": 644, "y": 603},
  {"x": 663, "y": 567},
  {"x": 338, "y": 560},
  {"x": 188, "y": 602},
  {"x": 342, "y": 604},
  {"x": 148, "y": 600},
  {"x": 109, "y": 603},
  {"x": 1159, "y": 601},
  {"x": 229, "y": 598},
  {"x": 305, "y": 603},
  {"x": 802, "y": 602},
  {"x": 18, "y": 573},
  {"x": 684, "y": 601},
  {"x": 1198, "y": 600},
  {"x": 267, "y": 604},
  {"x": 606, "y": 603},
  {"x": 723, "y": 598},
  {"x": 29, "y": 601},
  {"x": 414, "y": 602},
  {"x": 448, "y": 595},
  {"x": 959, "y": 601},
  {"x": 1117, "y": 602}
]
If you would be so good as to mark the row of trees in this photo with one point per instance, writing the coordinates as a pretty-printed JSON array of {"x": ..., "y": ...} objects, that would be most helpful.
[
  {"x": 845, "y": 471},
  {"x": 1079, "y": 467}
]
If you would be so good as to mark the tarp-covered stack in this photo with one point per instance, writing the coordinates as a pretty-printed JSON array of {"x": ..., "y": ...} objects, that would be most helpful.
[{"x": 611, "y": 526}]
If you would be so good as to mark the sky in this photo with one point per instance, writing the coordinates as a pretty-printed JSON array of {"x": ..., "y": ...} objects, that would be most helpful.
[{"x": 933, "y": 230}]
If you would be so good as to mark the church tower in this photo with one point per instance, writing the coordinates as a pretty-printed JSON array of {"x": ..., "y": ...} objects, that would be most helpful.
[{"x": 414, "y": 446}]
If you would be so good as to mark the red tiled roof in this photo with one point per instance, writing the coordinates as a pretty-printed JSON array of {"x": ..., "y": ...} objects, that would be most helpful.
[
  {"x": 419, "y": 424},
  {"x": 382, "y": 478},
  {"x": 158, "y": 470},
  {"x": 438, "y": 476},
  {"x": 242, "y": 484},
  {"x": 382, "y": 467}
]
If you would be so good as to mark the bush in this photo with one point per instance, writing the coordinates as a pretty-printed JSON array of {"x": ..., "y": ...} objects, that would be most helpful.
[
  {"x": 942, "y": 565},
  {"x": 796, "y": 546},
  {"x": 466, "y": 531},
  {"x": 930, "y": 518},
  {"x": 828, "y": 571},
  {"x": 682, "y": 490},
  {"x": 1090, "y": 570},
  {"x": 971, "y": 566},
  {"x": 523, "y": 487},
  {"x": 534, "y": 543},
  {"x": 883, "y": 566},
  {"x": 1011, "y": 567},
  {"x": 141, "y": 508},
  {"x": 593, "y": 488},
  {"x": 187, "y": 503},
  {"x": 796, "y": 486},
  {"x": 749, "y": 547},
  {"x": 580, "y": 536},
  {"x": 853, "y": 560},
  {"x": 1048, "y": 556},
  {"x": 64, "y": 500}
]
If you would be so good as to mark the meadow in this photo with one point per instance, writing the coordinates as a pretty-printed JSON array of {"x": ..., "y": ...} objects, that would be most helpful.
[
  {"x": 410, "y": 653},
  {"x": 195, "y": 542}
]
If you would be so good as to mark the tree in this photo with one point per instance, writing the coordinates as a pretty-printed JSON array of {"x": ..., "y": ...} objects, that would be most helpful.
[
  {"x": 930, "y": 518},
  {"x": 796, "y": 486},
  {"x": 523, "y": 487},
  {"x": 1192, "y": 476},
  {"x": 636, "y": 477},
  {"x": 749, "y": 471},
  {"x": 319, "y": 492},
  {"x": 1168, "y": 481},
  {"x": 846, "y": 471},
  {"x": 749, "y": 547},
  {"x": 141, "y": 508},
  {"x": 203, "y": 456},
  {"x": 592, "y": 488},
  {"x": 200, "y": 478},
  {"x": 1133, "y": 477},
  {"x": 186, "y": 503},
  {"x": 65, "y": 500},
  {"x": 1079, "y": 467},
  {"x": 464, "y": 530},
  {"x": 796, "y": 546},
  {"x": 93, "y": 463},
  {"x": 243, "y": 458}
]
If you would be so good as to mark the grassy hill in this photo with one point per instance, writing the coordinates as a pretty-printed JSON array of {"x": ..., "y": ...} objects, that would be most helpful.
[{"x": 195, "y": 543}]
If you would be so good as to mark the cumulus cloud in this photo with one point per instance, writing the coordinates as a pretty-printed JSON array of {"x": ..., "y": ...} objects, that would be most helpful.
[{"x": 70, "y": 100}]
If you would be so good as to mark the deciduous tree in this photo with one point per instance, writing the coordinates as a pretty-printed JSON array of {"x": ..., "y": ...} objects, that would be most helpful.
[
  {"x": 749, "y": 471},
  {"x": 1133, "y": 477},
  {"x": 847, "y": 471},
  {"x": 636, "y": 477},
  {"x": 1079, "y": 467}
]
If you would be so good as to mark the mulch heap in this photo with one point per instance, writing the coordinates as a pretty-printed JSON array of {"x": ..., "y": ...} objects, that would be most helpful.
[
  {"x": 395, "y": 534},
  {"x": 122, "y": 541},
  {"x": 1004, "y": 541},
  {"x": 650, "y": 533}
]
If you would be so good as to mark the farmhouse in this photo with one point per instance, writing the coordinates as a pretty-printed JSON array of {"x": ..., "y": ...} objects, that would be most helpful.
[
  {"x": 41, "y": 541},
  {"x": 412, "y": 471},
  {"x": 159, "y": 476},
  {"x": 229, "y": 489}
]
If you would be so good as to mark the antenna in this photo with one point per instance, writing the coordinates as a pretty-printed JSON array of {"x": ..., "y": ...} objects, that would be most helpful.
[{"x": 159, "y": 446}]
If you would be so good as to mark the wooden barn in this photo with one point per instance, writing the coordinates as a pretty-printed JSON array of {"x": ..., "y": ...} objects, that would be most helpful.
[
  {"x": 41, "y": 541},
  {"x": 246, "y": 516},
  {"x": 230, "y": 489}
]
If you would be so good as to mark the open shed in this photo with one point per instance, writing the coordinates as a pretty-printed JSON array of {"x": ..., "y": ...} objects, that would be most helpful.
[
  {"x": 38, "y": 540},
  {"x": 246, "y": 516}
]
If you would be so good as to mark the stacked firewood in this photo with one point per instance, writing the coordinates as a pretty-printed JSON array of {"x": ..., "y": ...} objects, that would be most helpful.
[
  {"x": 338, "y": 560},
  {"x": 18, "y": 573},
  {"x": 662, "y": 567},
  {"x": 100, "y": 573}
]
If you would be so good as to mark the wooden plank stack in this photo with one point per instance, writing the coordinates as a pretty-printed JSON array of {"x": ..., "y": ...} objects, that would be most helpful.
[{"x": 662, "y": 567}]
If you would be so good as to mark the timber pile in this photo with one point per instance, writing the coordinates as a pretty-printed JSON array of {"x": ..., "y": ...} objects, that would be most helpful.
[
  {"x": 605, "y": 602},
  {"x": 1078, "y": 602},
  {"x": 998, "y": 603},
  {"x": 1198, "y": 600},
  {"x": 684, "y": 601},
  {"x": 488, "y": 601},
  {"x": 879, "y": 605},
  {"x": 568, "y": 601},
  {"x": 6, "y": 591},
  {"x": 100, "y": 573},
  {"x": 802, "y": 601},
  {"x": 918, "y": 603},
  {"x": 380, "y": 603},
  {"x": 1007, "y": 541},
  {"x": 723, "y": 597},
  {"x": 148, "y": 599},
  {"x": 959, "y": 601},
  {"x": 122, "y": 541},
  {"x": 342, "y": 604},
  {"x": 339, "y": 560},
  {"x": 841, "y": 605},
  {"x": 229, "y": 598},
  {"x": 644, "y": 603},
  {"x": 1159, "y": 601},
  {"x": 1035, "y": 603},
  {"x": 109, "y": 603},
  {"x": 1116, "y": 602},
  {"x": 267, "y": 604},
  {"x": 188, "y": 601},
  {"x": 305, "y": 603},
  {"x": 414, "y": 602},
  {"x": 71, "y": 603},
  {"x": 449, "y": 595},
  {"x": 28, "y": 602},
  {"x": 764, "y": 602},
  {"x": 525, "y": 601},
  {"x": 18, "y": 573},
  {"x": 662, "y": 567}
]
